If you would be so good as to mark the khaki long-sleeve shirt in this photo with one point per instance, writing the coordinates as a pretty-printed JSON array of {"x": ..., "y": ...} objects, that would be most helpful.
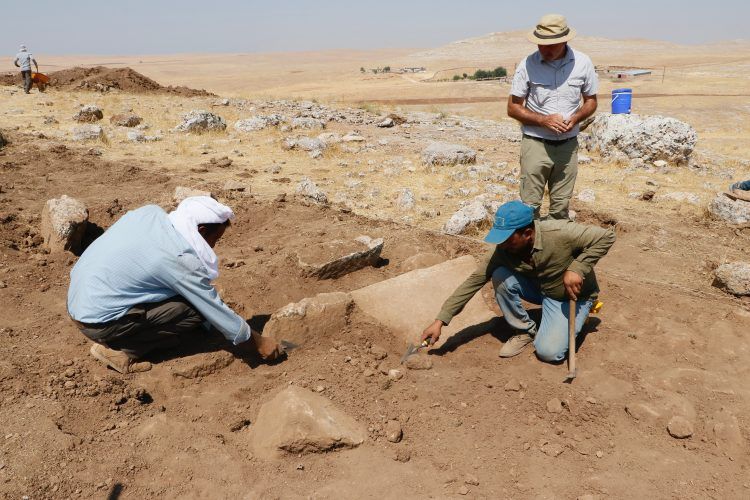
[{"x": 559, "y": 246}]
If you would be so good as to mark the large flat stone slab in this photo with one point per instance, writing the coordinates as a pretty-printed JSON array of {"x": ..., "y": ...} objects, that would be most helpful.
[{"x": 408, "y": 303}]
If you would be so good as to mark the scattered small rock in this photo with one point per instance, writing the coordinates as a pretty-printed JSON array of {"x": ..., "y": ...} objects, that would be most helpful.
[
  {"x": 393, "y": 431},
  {"x": 554, "y": 405},
  {"x": 125, "y": 120},
  {"x": 730, "y": 211},
  {"x": 64, "y": 223},
  {"x": 405, "y": 199},
  {"x": 308, "y": 190},
  {"x": 513, "y": 385},
  {"x": 236, "y": 186},
  {"x": 299, "y": 421},
  {"x": 552, "y": 449},
  {"x": 440, "y": 153},
  {"x": 307, "y": 123},
  {"x": 200, "y": 121},
  {"x": 418, "y": 362},
  {"x": 734, "y": 278},
  {"x": 679, "y": 427},
  {"x": 647, "y": 195},
  {"x": 471, "y": 479},
  {"x": 88, "y": 133},
  {"x": 250, "y": 124},
  {"x": 378, "y": 352},
  {"x": 586, "y": 196},
  {"x": 239, "y": 425},
  {"x": 88, "y": 114},
  {"x": 181, "y": 192},
  {"x": 386, "y": 123},
  {"x": 223, "y": 162}
]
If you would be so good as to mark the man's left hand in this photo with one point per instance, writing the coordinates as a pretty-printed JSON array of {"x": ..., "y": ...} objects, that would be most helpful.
[
  {"x": 573, "y": 283},
  {"x": 570, "y": 123}
]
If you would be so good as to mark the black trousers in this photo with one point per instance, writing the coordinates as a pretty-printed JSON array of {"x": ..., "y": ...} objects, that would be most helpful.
[
  {"x": 26, "y": 75},
  {"x": 146, "y": 327}
]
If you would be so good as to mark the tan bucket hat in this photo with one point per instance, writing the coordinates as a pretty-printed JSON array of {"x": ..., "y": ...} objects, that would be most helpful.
[{"x": 552, "y": 29}]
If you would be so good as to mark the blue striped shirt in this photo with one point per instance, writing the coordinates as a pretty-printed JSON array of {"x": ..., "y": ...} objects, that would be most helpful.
[{"x": 143, "y": 259}]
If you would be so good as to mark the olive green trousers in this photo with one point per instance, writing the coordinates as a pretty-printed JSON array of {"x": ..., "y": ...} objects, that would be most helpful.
[{"x": 555, "y": 166}]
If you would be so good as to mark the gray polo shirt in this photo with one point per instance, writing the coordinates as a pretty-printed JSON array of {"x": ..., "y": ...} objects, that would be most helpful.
[
  {"x": 554, "y": 87},
  {"x": 24, "y": 60}
]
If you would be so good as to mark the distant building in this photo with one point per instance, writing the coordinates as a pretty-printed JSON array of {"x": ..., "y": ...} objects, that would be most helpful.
[
  {"x": 632, "y": 73},
  {"x": 622, "y": 72}
]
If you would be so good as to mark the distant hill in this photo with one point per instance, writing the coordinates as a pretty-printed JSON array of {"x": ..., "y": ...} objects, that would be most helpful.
[{"x": 508, "y": 48}]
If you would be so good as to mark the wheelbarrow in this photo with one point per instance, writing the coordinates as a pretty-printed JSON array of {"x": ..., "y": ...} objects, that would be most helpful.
[{"x": 40, "y": 80}]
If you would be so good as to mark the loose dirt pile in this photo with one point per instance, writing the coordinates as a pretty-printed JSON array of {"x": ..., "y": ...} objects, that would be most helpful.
[
  {"x": 103, "y": 79},
  {"x": 10, "y": 79}
]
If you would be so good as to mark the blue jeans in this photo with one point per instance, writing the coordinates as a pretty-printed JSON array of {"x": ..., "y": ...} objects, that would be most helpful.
[{"x": 551, "y": 338}]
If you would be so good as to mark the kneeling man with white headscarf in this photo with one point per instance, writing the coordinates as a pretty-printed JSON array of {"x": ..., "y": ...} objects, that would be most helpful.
[{"x": 147, "y": 280}]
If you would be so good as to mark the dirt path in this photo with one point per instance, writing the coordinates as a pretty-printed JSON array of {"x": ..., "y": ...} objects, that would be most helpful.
[{"x": 501, "y": 97}]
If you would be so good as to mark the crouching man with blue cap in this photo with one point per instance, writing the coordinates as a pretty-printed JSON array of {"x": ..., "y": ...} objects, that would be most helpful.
[{"x": 542, "y": 262}]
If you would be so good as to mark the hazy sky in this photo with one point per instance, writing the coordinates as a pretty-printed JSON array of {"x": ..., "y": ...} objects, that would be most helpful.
[{"x": 170, "y": 26}]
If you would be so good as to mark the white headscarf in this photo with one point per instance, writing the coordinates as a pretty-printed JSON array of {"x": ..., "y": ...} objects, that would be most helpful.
[
  {"x": 200, "y": 210},
  {"x": 23, "y": 48}
]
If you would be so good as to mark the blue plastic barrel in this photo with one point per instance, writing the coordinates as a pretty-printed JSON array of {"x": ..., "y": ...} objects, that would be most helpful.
[{"x": 621, "y": 101}]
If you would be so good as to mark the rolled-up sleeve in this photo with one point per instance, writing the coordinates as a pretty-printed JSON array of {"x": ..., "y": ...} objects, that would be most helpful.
[
  {"x": 590, "y": 80},
  {"x": 454, "y": 304},
  {"x": 192, "y": 283},
  {"x": 590, "y": 243},
  {"x": 520, "y": 85}
]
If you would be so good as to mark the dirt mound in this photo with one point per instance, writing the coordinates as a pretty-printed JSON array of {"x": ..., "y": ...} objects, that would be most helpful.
[
  {"x": 10, "y": 78},
  {"x": 103, "y": 79}
]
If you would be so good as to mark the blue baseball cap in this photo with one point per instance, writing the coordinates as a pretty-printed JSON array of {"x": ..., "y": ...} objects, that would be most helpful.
[{"x": 509, "y": 217}]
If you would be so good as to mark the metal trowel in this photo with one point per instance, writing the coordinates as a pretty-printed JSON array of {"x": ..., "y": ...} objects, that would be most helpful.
[
  {"x": 287, "y": 346},
  {"x": 412, "y": 349}
]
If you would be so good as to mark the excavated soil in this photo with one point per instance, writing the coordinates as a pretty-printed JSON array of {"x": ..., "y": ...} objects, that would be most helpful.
[
  {"x": 103, "y": 79},
  {"x": 666, "y": 344}
]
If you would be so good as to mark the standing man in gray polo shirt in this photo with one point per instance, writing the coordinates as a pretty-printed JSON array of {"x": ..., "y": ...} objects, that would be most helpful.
[{"x": 553, "y": 90}]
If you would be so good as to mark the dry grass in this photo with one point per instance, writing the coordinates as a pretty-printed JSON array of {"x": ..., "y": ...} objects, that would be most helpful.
[{"x": 723, "y": 123}]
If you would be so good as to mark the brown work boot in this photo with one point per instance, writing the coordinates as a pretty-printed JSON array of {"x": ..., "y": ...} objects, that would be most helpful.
[
  {"x": 515, "y": 345},
  {"x": 118, "y": 360}
]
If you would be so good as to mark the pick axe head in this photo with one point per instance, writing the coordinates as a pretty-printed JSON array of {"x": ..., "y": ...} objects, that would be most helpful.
[{"x": 571, "y": 375}]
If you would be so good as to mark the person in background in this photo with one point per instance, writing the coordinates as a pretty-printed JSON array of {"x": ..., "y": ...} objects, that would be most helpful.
[
  {"x": 23, "y": 60},
  {"x": 553, "y": 91}
]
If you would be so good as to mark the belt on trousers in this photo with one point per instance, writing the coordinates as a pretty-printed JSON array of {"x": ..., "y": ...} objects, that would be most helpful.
[{"x": 553, "y": 142}]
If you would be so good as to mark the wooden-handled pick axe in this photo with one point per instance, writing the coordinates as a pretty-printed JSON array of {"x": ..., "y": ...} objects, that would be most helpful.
[{"x": 571, "y": 343}]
